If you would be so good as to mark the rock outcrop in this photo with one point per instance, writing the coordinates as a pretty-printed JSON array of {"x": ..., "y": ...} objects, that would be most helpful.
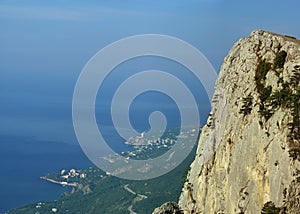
[
  {"x": 248, "y": 155},
  {"x": 168, "y": 208}
]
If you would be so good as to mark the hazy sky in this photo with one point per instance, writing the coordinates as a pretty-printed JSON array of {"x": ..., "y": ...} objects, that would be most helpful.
[
  {"x": 61, "y": 35},
  {"x": 45, "y": 44}
]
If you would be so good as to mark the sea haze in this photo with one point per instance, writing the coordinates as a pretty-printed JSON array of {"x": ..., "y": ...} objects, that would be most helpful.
[
  {"x": 36, "y": 131},
  {"x": 24, "y": 159}
]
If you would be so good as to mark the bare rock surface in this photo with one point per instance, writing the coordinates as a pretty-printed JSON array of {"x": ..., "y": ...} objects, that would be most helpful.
[{"x": 247, "y": 154}]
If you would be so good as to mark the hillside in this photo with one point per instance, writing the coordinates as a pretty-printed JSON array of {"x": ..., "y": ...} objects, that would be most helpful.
[{"x": 93, "y": 191}]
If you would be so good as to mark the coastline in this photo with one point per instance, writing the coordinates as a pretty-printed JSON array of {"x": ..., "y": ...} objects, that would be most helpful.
[{"x": 62, "y": 183}]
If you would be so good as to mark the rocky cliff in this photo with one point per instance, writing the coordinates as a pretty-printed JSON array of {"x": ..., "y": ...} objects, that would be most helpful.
[{"x": 248, "y": 155}]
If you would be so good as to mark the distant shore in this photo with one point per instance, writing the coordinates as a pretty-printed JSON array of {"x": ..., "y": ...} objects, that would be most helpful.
[{"x": 63, "y": 183}]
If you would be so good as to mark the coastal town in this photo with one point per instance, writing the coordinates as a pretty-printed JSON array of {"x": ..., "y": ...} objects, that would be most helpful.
[
  {"x": 155, "y": 143},
  {"x": 144, "y": 146}
]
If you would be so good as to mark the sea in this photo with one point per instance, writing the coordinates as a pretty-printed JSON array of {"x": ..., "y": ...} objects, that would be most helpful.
[
  {"x": 37, "y": 135},
  {"x": 24, "y": 159}
]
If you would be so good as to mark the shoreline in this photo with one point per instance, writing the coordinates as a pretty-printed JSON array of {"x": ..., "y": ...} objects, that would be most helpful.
[{"x": 62, "y": 183}]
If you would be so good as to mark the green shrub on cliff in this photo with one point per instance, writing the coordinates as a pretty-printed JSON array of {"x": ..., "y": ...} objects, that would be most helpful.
[{"x": 279, "y": 60}]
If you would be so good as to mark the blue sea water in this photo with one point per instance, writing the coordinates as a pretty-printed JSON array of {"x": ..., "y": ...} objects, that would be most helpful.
[
  {"x": 24, "y": 160},
  {"x": 37, "y": 136}
]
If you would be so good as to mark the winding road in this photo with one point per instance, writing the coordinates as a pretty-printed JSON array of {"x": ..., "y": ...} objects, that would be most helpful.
[{"x": 139, "y": 197}]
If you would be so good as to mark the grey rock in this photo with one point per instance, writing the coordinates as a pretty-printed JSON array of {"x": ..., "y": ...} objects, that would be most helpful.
[
  {"x": 243, "y": 162},
  {"x": 168, "y": 208}
]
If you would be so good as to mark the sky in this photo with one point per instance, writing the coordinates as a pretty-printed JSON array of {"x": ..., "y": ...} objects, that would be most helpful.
[{"x": 45, "y": 44}]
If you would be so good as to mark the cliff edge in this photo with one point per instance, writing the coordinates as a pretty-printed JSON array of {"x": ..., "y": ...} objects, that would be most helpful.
[{"x": 248, "y": 154}]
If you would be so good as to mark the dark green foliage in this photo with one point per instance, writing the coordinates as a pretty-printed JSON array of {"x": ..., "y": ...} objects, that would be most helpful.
[
  {"x": 280, "y": 80},
  {"x": 185, "y": 174},
  {"x": 170, "y": 208},
  {"x": 265, "y": 112},
  {"x": 294, "y": 153},
  {"x": 291, "y": 37},
  {"x": 262, "y": 69},
  {"x": 247, "y": 105},
  {"x": 265, "y": 93},
  {"x": 229, "y": 141},
  {"x": 278, "y": 99},
  {"x": 295, "y": 79},
  {"x": 279, "y": 60},
  {"x": 269, "y": 101},
  {"x": 264, "y": 96},
  {"x": 294, "y": 104},
  {"x": 287, "y": 97},
  {"x": 294, "y": 126},
  {"x": 108, "y": 194},
  {"x": 261, "y": 72},
  {"x": 270, "y": 208}
]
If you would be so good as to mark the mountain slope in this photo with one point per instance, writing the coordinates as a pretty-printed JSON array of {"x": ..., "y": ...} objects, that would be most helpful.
[{"x": 248, "y": 154}]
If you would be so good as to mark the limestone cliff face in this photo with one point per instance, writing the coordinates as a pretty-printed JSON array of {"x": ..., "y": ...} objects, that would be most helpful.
[{"x": 248, "y": 153}]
